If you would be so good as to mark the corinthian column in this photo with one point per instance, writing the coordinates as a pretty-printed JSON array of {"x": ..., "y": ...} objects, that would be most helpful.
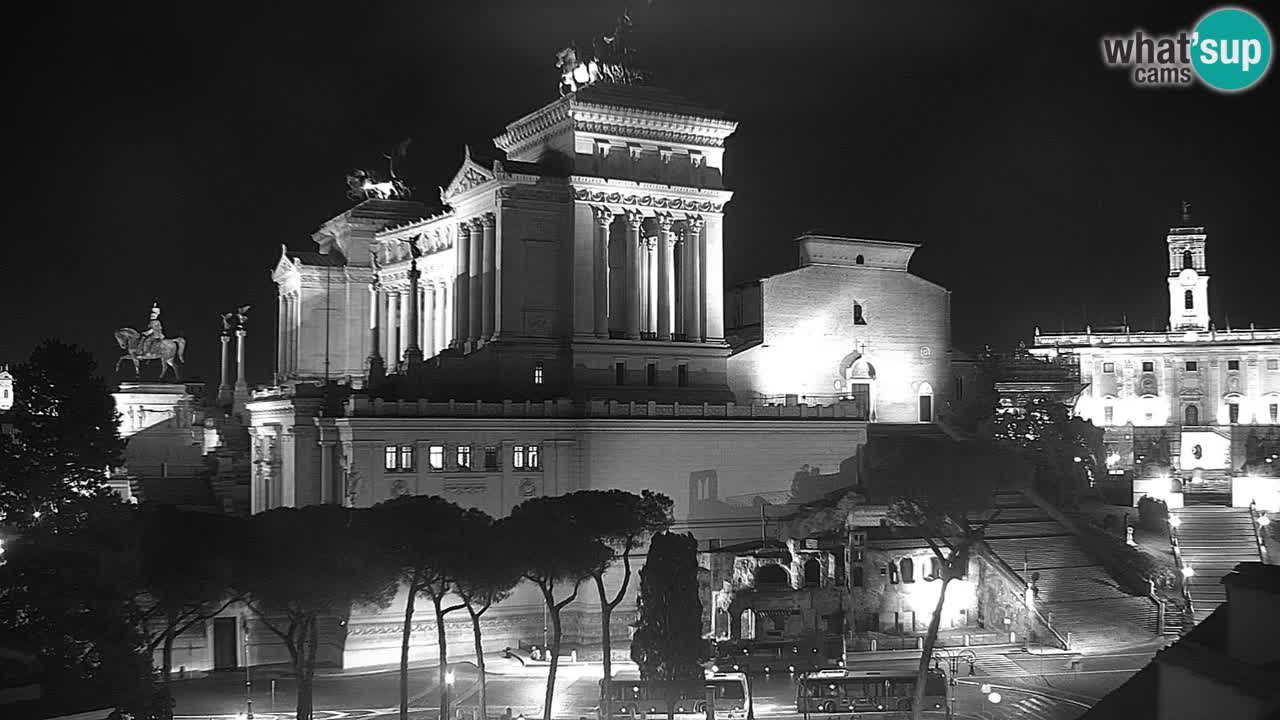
[
  {"x": 412, "y": 351},
  {"x": 634, "y": 221},
  {"x": 393, "y": 324},
  {"x": 666, "y": 276},
  {"x": 474, "y": 282},
  {"x": 651, "y": 285},
  {"x": 430, "y": 296},
  {"x": 461, "y": 286},
  {"x": 603, "y": 218},
  {"x": 693, "y": 306},
  {"x": 488, "y": 300},
  {"x": 224, "y": 387},
  {"x": 377, "y": 369}
]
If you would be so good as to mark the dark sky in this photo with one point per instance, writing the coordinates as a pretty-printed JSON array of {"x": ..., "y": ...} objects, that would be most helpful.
[{"x": 165, "y": 152}]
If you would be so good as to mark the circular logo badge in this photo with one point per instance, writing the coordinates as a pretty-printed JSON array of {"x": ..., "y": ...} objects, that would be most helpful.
[{"x": 1231, "y": 49}]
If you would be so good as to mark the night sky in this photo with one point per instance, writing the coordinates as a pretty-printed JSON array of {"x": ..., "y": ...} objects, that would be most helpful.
[{"x": 165, "y": 152}]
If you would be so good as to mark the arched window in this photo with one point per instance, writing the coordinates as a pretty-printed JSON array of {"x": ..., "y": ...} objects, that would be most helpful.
[
  {"x": 926, "y": 402},
  {"x": 812, "y": 573},
  {"x": 1188, "y": 300},
  {"x": 1187, "y": 261},
  {"x": 935, "y": 568},
  {"x": 1191, "y": 415},
  {"x": 771, "y": 575},
  {"x": 857, "y": 315},
  {"x": 858, "y": 260},
  {"x": 908, "y": 570}
]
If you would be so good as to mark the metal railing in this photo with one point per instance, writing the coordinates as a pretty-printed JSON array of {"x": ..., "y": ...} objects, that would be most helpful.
[
  {"x": 1254, "y": 517},
  {"x": 1177, "y": 557}
]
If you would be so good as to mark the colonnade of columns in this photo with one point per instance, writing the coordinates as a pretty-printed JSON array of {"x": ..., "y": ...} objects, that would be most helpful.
[
  {"x": 665, "y": 278},
  {"x": 434, "y": 314},
  {"x": 290, "y": 324}
]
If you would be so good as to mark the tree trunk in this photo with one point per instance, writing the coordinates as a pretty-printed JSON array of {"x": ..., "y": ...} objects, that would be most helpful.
[
  {"x": 606, "y": 647},
  {"x": 475, "y": 629},
  {"x": 404, "y": 649},
  {"x": 443, "y": 644},
  {"x": 166, "y": 655},
  {"x": 303, "y": 667},
  {"x": 926, "y": 655},
  {"x": 555, "y": 655}
]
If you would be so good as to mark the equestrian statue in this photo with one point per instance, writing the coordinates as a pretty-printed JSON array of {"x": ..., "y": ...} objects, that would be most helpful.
[{"x": 150, "y": 344}]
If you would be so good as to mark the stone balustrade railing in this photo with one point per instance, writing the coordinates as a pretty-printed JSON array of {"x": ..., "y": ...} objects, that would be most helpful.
[
  {"x": 1154, "y": 338},
  {"x": 564, "y": 408}
]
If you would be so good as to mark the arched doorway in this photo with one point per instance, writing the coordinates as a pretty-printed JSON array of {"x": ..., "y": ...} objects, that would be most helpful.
[
  {"x": 925, "y": 399},
  {"x": 1191, "y": 416},
  {"x": 812, "y": 573},
  {"x": 860, "y": 383}
]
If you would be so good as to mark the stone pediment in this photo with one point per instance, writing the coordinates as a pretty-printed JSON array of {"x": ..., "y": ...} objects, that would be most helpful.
[
  {"x": 469, "y": 176},
  {"x": 284, "y": 266}
]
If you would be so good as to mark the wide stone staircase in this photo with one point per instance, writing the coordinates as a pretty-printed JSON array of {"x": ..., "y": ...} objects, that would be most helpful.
[
  {"x": 1075, "y": 593},
  {"x": 1212, "y": 541}
]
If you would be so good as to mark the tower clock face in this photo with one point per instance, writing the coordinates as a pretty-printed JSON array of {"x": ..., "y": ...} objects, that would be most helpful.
[{"x": 1188, "y": 277}]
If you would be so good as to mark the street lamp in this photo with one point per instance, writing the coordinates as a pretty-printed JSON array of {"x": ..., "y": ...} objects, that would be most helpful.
[
  {"x": 448, "y": 694},
  {"x": 1174, "y": 521},
  {"x": 1187, "y": 571}
]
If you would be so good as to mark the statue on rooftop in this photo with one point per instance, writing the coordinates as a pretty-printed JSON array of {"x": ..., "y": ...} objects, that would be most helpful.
[
  {"x": 611, "y": 60},
  {"x": 367, "y": 185},
  {"x": 150, "y": 344}
]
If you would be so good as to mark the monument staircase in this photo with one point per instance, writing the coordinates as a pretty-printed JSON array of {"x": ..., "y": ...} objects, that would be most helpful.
[
  {"x": 1212, "y": 541},
  {"x": 1075, "y": 593}
]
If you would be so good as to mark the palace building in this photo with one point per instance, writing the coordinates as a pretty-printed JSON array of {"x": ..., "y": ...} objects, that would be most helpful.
[
  {"x": 1191, "y": 413},
  {"x": 559, "y": 324}
]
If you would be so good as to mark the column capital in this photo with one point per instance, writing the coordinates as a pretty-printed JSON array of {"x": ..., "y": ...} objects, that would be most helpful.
[
  {"x": 635, "y": 218},
  {"x": 464, "y": 227},
  {"x": 603, "y": 215},
  {"x": 488, "y": 220},
  {"x": 650, "y": 243},
  {"x": 476, "y": 224},
  {"x": 694, "y": 222},
  {"x": 665, "y": 221},
  {"x": 241, "y": 332}
]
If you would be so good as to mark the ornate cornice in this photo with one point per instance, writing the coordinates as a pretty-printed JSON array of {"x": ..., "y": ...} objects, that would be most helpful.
[
  {"x": 648, "y": 201},
  {"x": 532, "y": 125},
  {"x": 652, "y": 133}
]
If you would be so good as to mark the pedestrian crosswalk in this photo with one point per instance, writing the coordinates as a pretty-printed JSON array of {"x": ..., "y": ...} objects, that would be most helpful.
[{"x": 1000, "y": 666}]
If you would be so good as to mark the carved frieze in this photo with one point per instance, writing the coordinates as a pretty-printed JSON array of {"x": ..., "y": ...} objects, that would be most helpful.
[
  {"x": 615, "y": 198},
  {"x": 663, "y": 135}
]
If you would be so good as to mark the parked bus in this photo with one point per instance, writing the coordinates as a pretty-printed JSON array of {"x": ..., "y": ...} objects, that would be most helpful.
[
  {"x": 867, "y": 691},
  {"x": 778, "y": 656},
  {"x": 631, "y": 698}
]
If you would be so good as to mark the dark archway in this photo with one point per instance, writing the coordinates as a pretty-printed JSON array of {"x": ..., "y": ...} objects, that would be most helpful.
[
  {"x": 812, "y": 573},
  {"x": 1191, "y": 416},
  {"x": 772, "y": 575},
  {"x": 1187, "y": 262},
  {"x": 908, "y": 570}
]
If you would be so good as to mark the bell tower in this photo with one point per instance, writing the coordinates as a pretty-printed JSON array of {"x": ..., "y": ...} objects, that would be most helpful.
[{"x": 1188, "y": 276}]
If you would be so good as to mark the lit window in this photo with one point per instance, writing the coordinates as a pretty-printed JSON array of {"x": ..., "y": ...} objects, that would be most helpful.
[
  {"x": 406, "y": 458},
  {"x": 389, "y": 457},
  {"x": 651, "y": 374},
  {"x": 1192, "y": 366},
  {"x": 1109, "y": 415},
  {"x": 435, "y": 458},
  {"x": 619, "y": 373},
  {"x": 533, "y": 457},
  {"x": 1273, "y": 364},
  {"x": 1188, "y": 300},
  {"x": 682, "y": 375},
  {"x": 537, "y": 373},
  {"x": 908, "y": 570},
  {"x": 857, "y": 315},
  {"x": 517, "y": 457},
  {"x": 464, "y": 457},
  {"x": 525, "y": 457},
  {"x": 1148, "y": 367},
  {"x": 1233, "y": 413},
  {"x": 1108, "y": 367},
  {"x": 1274, "y": 410},
  {"x": 1233, "y": 364}
]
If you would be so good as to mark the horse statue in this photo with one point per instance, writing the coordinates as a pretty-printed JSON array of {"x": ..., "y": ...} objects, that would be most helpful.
[{"x": 165, "y": 351}]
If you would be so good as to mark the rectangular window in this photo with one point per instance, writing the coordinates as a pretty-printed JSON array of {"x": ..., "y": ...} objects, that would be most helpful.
[
  {"x": 1109, "y": 415},
  {"x": 959, "y": 388},
  {"x": 651, "y": 374},
  {"x": 537, "y": 373},
  {"x": 682, "y": 375},
  {"x": 1273, "y": 364},
  {"x": 491, "y": 458},
  {"x": 533, "y": 457},
  {"x": 1192, "y": 366},
  {"x": 1274, "y": 410},
  {"x": 1233, "y": 413},
  {"x": 619, "y": 373},
  {"x": 389, "y": 458},
  {"x": 406, "y": 458},
  {"x": 435, "y": 458},
  {"x": 517, "y": 457},
  {"x": 1148, "y": 366},
  {"x": 464, "y": 457},
  {"x": 1233, "y": 364},
  {"x": 525, "y": 457},
  {"x": 1108, "y": 368}
]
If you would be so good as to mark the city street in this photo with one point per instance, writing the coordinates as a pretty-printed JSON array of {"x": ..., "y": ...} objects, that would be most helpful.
[{"x": 1053, "y": 687}]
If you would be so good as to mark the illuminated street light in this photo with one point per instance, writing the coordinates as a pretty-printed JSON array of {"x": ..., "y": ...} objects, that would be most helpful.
[
  {"x": 1076, "y": 458},
  {"x": 1188, "y": 571},
  {"x": 1174, "y": 521},
  {"x": 995, "y": 698},
  {"x": 448, "y": 678},
  {"x": 1263, "y": 520}
]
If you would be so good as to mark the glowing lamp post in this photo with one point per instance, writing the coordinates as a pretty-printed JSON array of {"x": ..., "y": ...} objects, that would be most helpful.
[
  {"x": 1263, "y": 521},
  {"x": 448, "y": 694},
  {"x": 1188, "y": 572},
  {"x": 1174, "y": 521}
]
